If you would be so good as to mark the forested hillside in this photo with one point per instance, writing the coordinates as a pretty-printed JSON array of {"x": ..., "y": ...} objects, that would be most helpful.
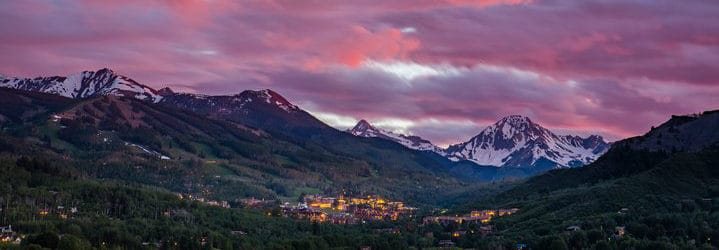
[
  {"x": 127, "y": 139},
  {"x": 658, "y": 199},
  {"x": 54, "y": 205}
]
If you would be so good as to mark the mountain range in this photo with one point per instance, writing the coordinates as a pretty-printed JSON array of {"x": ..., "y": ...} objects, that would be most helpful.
[
  {"x": 513, "y": 141},
  {"x": 251, "y": 144}
]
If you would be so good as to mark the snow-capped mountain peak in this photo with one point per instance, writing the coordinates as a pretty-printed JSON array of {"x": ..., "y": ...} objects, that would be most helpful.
[
  {"x": 266, "y": 96},
  {"x": 516, "y": 141},
  {"x": 516, "y": 121},
  {"x": 513, "y": 129},
  {"x": 85, "y": 84},
  {"x": 365, "y": 129}
]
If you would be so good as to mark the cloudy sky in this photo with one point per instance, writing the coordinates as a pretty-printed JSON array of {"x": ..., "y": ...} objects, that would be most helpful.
[{"x": 442, "y": 69}]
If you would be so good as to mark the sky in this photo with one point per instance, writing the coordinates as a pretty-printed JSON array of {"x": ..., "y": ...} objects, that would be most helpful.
[{"x": 441, "y": 69}]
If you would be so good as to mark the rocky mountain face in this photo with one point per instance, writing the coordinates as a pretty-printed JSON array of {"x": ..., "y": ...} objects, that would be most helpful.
[
  {"x": 516, "y": 141},
  {"x": 84, "y": 85},
  {"x": 264, "y": 109},
  {"x": 365, "y": 129},
  {"x": 226, "y": 104}
]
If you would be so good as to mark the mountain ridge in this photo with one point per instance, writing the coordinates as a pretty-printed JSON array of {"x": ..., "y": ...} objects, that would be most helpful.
[
  {"x": 104, "y": 81},
  {"x": 521, "y": 143},
  {"x": 679, "y": 133},
  {"x": 365, "y": 129},
  {"x": 84, "y": 85},
  {"x": 513, "y": 141}
]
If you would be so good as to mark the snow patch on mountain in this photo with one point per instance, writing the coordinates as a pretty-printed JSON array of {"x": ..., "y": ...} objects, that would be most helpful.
[
  {"x": 365, "y": 129},
  {"x": 272, "y": 97},
  {"x": 516, "y": 141},
  {"x": 84, "y": 85},
  {"x": 148, "y": 151}
]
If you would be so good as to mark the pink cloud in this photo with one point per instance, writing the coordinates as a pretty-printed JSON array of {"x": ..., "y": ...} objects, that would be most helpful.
[
  {"x": 483, "y": 95},
  {"x": 639, "y": 59},
  {"x": 575, "y": 39},
  {"x": 362, "y": 44}
]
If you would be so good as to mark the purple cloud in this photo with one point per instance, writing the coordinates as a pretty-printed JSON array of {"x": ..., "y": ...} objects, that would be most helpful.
[{"x": 574, "y": 66}]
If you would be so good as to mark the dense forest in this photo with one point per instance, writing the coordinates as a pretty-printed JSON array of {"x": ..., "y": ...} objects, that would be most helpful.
[
  {"x": 90, "y": 173},
  {"x": 51, "y": 203}
]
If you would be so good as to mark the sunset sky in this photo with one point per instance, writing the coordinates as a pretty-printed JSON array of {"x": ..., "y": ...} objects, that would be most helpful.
[{"x": 438, "y": 69}]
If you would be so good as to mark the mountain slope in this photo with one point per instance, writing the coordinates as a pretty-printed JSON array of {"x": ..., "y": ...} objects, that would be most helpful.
[
  {"x": 262, "y": 109},
  {"x": 19, "y": 107},
  {"x": 365, "y": 129},
  {"x": 119, "y": 137},
  {"x": 56, "y": 205},
  {"x": 271, "y": 112},
  {"x": 681, "y": 133},
  {"x": 516, "y": 141},
  {"x": 659, "y": 193}
]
